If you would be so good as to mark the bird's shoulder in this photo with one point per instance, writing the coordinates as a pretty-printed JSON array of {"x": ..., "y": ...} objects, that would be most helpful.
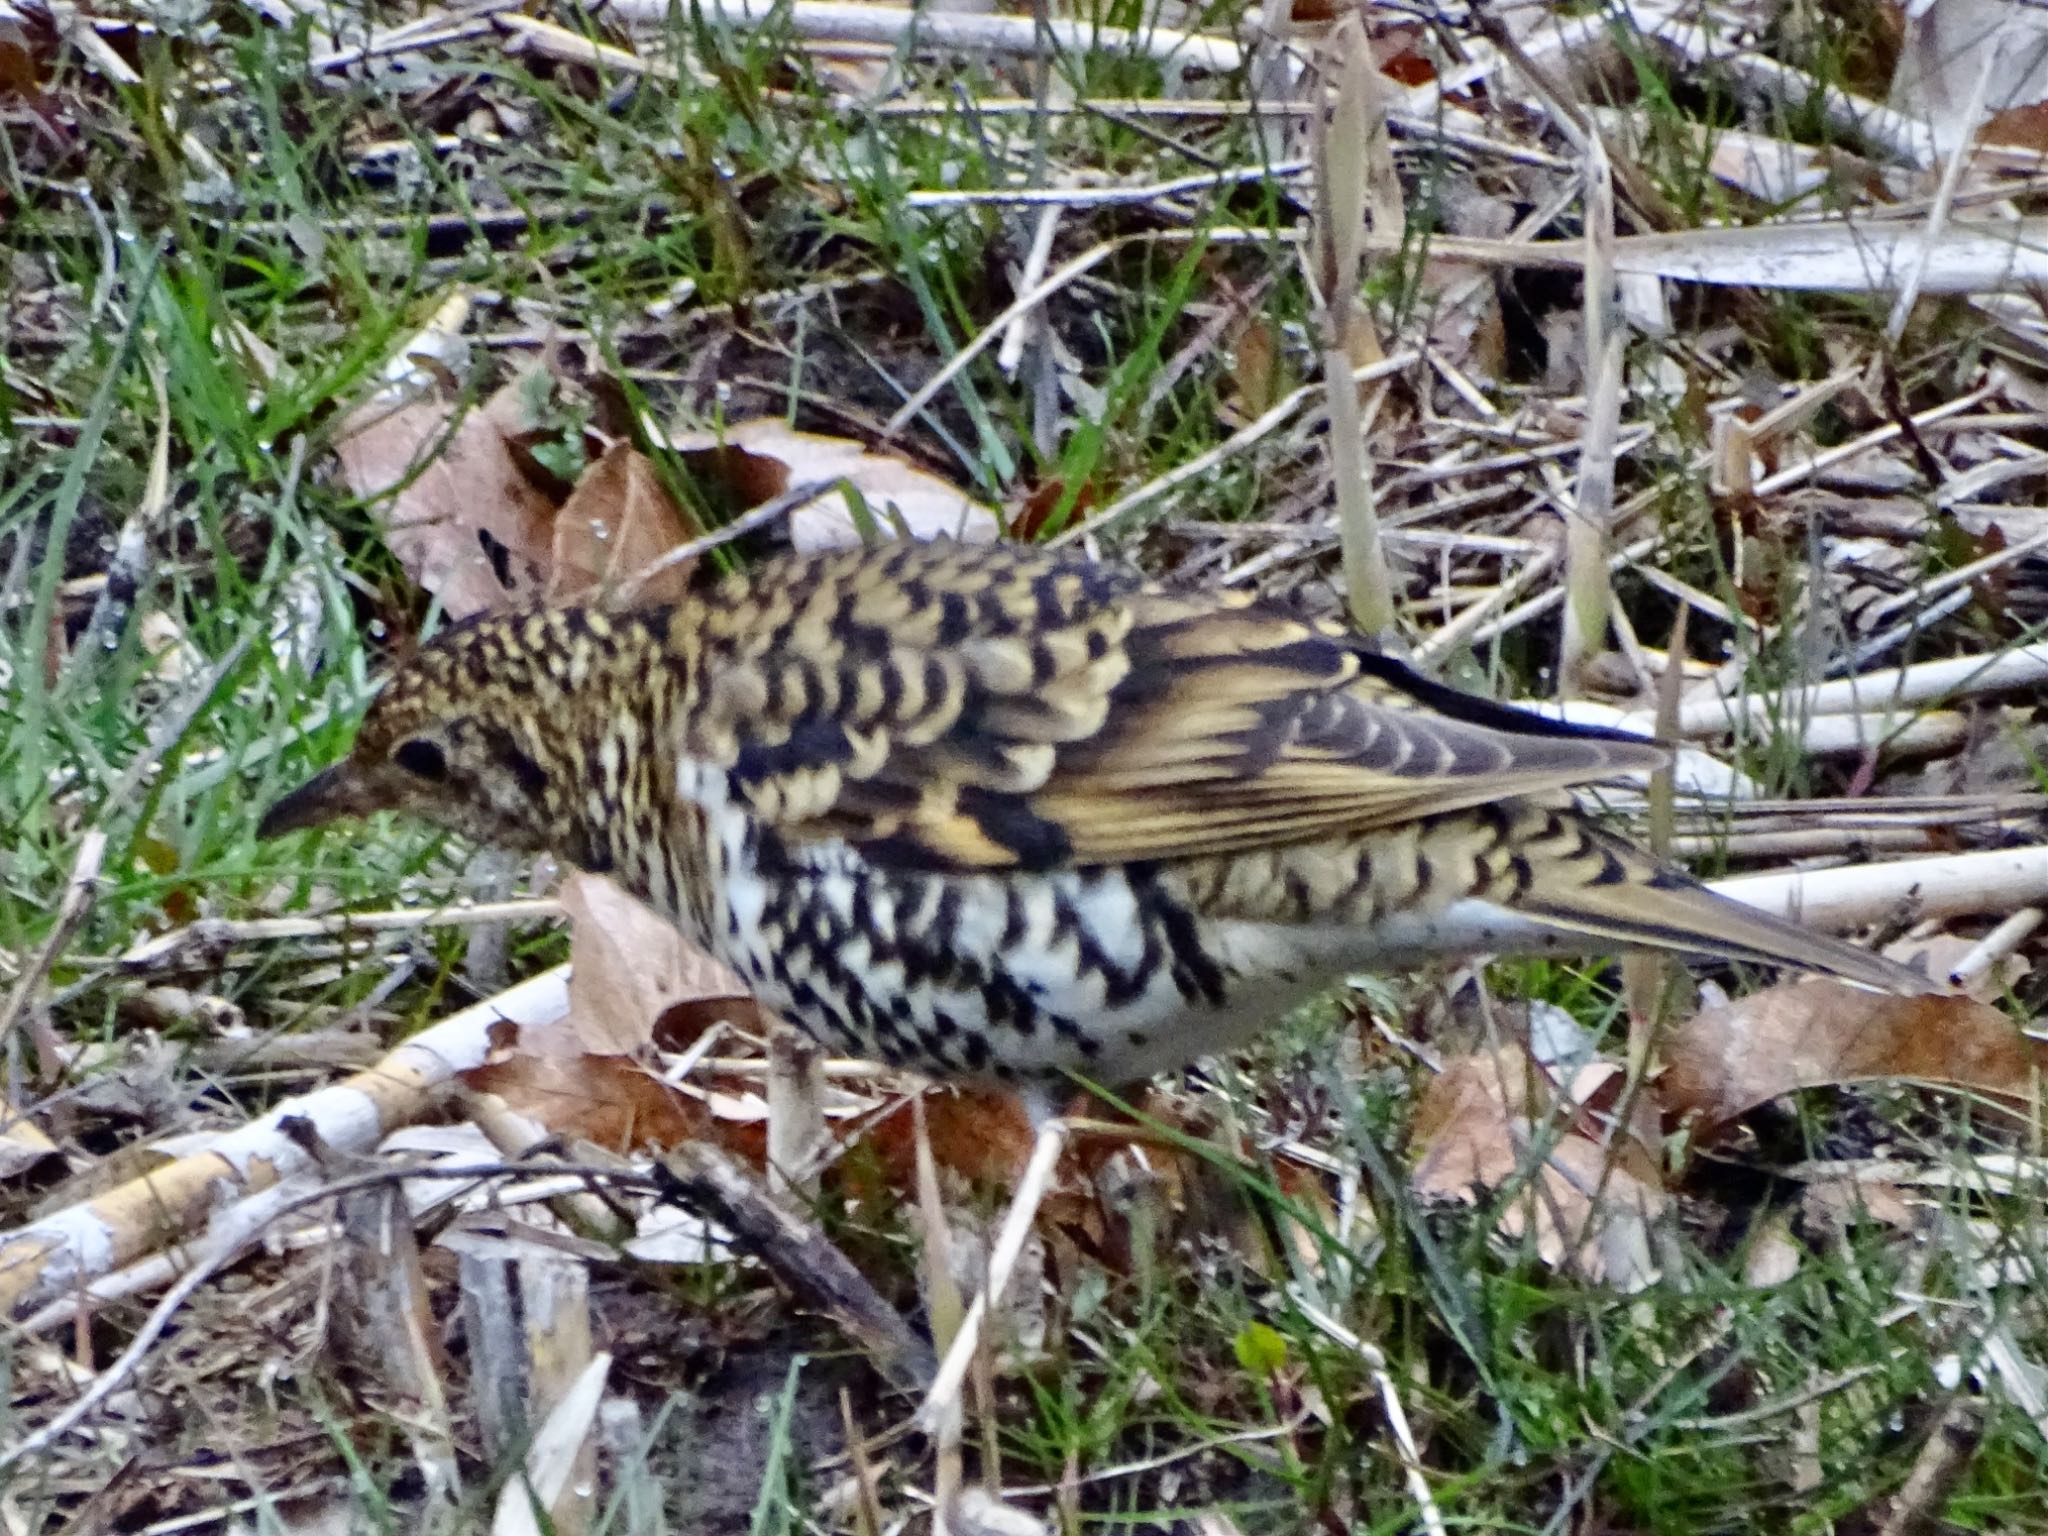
[{"x": 1008, "y": 707}]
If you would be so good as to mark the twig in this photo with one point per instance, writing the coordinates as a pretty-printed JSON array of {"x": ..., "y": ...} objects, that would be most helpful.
[
  {"x": 1944, "y": 195},
  {"x": 705, "y": 1180},
  {"x": 213, "y": 932},
  {"x": 2000, "y": 942},
  {"x": 1342, "y": 180},
  {"x": 1282, "y": 412},
  {"x": 1588, "y": 598},
  {"x": 1011, "y": 353},
  {"x": 57, "y": 1254},
  {"x": 837, "y": 21},
  {"x": 1390, "y": 1399},
  {"x": 1100, "y": 196},
  {"x": 80, "y": 890},
  {"x": 237, "y": 1228},
  {"x": 758, "y": 517},
  {"x": 944, "y": 1394},
  {"x": 1020, "y": 306}
]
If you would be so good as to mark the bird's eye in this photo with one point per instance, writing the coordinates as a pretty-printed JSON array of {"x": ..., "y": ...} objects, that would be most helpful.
[{"x": 422, "y": 759}]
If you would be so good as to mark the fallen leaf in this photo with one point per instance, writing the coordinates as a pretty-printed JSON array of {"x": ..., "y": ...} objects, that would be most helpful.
[
  {"x": 629, "y": 965},
  {"x": 1725, "y": 1061},
  {"x": 610, "y": 1101},
  {"x": 758, "y": 460},
  {"x": 617, "y": 523},
  {"x": 461, "y": 518},
  {"x": 1588, "y": 1204}
]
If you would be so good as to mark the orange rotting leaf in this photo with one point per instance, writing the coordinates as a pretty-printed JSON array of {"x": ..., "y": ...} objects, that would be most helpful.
[
  {"x": 610, "y": 1101},
  {"x": 1810, "y": 1034}
]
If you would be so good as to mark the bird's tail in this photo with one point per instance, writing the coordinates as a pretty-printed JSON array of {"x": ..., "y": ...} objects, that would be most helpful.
[{"x": 1654, "y": 907}]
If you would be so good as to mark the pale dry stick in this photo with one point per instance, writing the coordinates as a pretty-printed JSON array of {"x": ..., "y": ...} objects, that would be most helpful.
[
  {"x": 1474, "y": 626},
  {"x": 1804, "y": 843},
  {"x": 58, "y": 1253},
  {"x": 1390, "y": 1399},
  {"x": 944, "y": 1396},
  {"x": 552, "y": 41},
  {"x": 1944, "y": 196},
  {"x": 1686, "y": 593},
  {"x": 230, "y": 931},
  {"x": 1988, "y": 952},
  {"x": 1948, "y": 885},
  {"x": 943, "y": 1307},
  {"x": 1010, "y": 355},
  {"x": 1424, "y": 127},
  {"x": 558, "y": 1473},
  {"x": 1279, "y": 415},
  {"x": 1965, "y": 575},
  {"x": 1588, "y": 598},
  {"x": 1772, "y": 83},
  {"x": 757, "y": 517},
  {"x": 1926, "y": 682},
  {"x": 1447, "y": 637},
  {"x": 839, "y": 21},
  {"x": 81, "y": 889},
  {"x": 1275, "y": 74},
  {"x": 1343, "y": 178},
  {"x": 1025, "y": 302},
  {"x": 1107, "y": 196},
  {"x": 429, "y": 31},
  {"x": 1827, "y": 459},
  {"x": 1923, "y": 617}
]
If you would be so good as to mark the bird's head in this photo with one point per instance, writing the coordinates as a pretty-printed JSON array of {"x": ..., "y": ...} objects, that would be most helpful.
[{"x": 486, "y": 732}]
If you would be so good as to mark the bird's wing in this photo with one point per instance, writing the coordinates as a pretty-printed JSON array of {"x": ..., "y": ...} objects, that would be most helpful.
[{"x": 1015, "y": 709}]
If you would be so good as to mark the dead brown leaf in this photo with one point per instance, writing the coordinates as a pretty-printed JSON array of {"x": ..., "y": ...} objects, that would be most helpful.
[
  {"x": 616, "y": 524},
  {"x": 462, "y": 518},
  {"x": 1588, "y": 1204},
  {"x": 630, "y": 965},
  {"x": 1809, "y": 1034},
  {"x": 758, "y": 460}
]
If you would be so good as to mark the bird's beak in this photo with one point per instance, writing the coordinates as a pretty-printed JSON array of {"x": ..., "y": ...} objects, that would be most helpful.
[{"x": 328, "y": 796}]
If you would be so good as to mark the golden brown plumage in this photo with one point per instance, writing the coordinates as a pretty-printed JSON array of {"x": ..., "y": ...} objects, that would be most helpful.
[{"x": 995, "y": 810}]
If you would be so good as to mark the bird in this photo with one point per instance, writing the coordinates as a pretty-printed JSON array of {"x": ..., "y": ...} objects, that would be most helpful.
[{"x": 1002, "y": 813}]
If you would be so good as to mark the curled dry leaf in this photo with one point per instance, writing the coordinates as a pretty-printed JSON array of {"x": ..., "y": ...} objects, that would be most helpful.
[
  {"x": 617, "y": 523},
  {"x": 1809, "y": 1034},
  {"x": 629, "y": 965},
  {"x": 760, "y": 459},
  {"x": 1588, "y": 1204}
]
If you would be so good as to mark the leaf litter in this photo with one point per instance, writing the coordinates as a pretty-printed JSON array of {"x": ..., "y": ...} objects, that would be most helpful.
[{"x": 1583, "y": 1164}]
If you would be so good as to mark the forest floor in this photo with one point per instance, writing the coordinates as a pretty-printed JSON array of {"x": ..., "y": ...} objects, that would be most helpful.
[{"x": 327, "y": 324}]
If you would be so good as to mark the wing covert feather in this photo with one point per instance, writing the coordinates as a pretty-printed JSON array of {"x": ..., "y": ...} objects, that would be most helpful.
[{"x": 986, "y": 708}]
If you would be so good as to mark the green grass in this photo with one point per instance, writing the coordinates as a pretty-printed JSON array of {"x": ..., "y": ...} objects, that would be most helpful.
[{"x": 264, "y": 304}]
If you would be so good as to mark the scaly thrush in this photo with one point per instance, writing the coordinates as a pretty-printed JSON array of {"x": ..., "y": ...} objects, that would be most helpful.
[{"x": 997, "y": 812}]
